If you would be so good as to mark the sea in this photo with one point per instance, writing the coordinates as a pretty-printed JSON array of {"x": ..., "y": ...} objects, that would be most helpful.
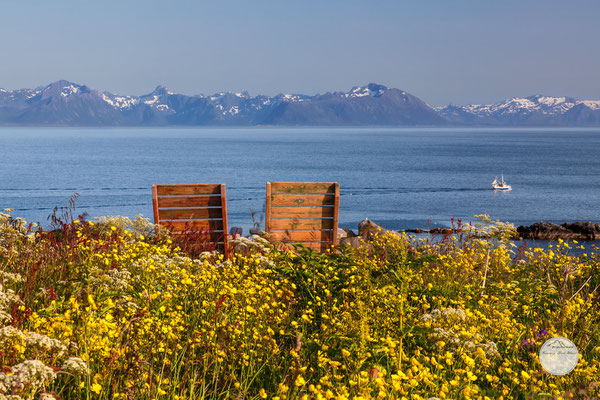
[{"x": 400, "y": 178}]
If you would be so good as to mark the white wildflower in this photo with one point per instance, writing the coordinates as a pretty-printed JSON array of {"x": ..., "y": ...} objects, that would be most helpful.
[
  {"x": 76, "y": 366},
  {"x": 9, "y": 332},
  {"x": 490, "y": 348},
  {"x": 454, "y": 313},
  {"x": 469, "y": 346},
  {"x": 4, "y": 384},
  {"x": 442, "y": 334},
  {"x": 254, "y": 243},
  {"x": 112, "y": 280},
  {"x": 9, "y": 277},
  {"x": 427, "y": 318},
  {"x": 7, "y": 298},
  {"x": 30, "y": 375},
  {"x": 45, "y": 342}
]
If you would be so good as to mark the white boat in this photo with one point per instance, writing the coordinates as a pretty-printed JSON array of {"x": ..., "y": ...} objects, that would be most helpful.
[{"x": 503, "y": 186}]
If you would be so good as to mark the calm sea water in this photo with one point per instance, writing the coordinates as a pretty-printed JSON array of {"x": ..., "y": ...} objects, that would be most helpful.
[{"x": 400, "y": 178}]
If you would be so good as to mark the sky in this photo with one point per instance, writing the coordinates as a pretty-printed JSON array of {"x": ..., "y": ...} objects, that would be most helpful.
[{"x": 443, "y": 51}]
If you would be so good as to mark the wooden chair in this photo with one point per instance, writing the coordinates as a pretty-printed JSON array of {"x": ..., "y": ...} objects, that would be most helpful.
[
  {"x": 193, "y": 209},
  {"x": 303, "y": 212}
]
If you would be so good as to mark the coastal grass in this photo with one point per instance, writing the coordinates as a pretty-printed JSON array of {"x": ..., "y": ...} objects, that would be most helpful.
[{"x": 113, "y": 309}]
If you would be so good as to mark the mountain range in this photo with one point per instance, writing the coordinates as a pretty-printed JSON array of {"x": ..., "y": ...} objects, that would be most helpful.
[{"x": 65, "y": 103}]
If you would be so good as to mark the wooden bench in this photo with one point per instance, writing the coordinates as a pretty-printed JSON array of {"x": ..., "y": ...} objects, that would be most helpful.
[
  {"x": 303, "y": 212},
  {"x": 193, "y": 210}
]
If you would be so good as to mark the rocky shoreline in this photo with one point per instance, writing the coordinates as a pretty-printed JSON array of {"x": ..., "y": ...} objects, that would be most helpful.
[{"x": 580, "y": 230}]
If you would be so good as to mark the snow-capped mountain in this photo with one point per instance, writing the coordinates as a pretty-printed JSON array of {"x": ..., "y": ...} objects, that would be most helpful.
[
  {"x": 67, "y": 103},
  {"x": 59, "y": 103},
  {"x": 532, "y": 110},
  {"x": 363, "y": 105}
]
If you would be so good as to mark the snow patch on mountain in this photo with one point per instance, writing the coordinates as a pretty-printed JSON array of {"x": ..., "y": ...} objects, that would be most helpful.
[
  {"x": 551, "y": 101},
  {"x": 371, "y": 89},
  {"x": 152, "y": 101},
  {"x": 293, "y": 98},
  {"x": 216, "y": 96},
  {"x": 121, "y": 102},
  {"x": 69, "y": 90},
  {"x": 33, "y": 93},
  {"x": 594, "y": 105}
]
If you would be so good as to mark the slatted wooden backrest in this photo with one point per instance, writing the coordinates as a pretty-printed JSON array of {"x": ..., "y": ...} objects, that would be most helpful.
[
  {"x": 303, "y": 212},
  {"x": 193, "y": 208}
]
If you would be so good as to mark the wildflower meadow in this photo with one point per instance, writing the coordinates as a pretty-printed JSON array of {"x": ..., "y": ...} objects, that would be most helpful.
[{"x": 114, "y": 309}]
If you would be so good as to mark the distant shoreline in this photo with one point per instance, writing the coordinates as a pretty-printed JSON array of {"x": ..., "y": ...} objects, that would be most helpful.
[
  {"x": 64, "y": 103},
  {"x": 274, "y": 127}
]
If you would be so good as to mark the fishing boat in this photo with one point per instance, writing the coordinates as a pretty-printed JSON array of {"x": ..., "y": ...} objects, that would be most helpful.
[{"x": 501, "y": 185}]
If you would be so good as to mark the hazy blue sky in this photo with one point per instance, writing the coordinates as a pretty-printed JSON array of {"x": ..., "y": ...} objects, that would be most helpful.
[{"x": 442, "y": 51}]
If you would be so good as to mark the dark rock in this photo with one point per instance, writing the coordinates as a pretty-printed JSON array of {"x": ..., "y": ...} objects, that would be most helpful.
[
  {"x": 349, "y": 232},
  {"x": 441, "y": 231},
  {"x": 236, "y": 231},
  {"x": 416, "y": 230},
  {"x": 355, "y": 241},
  {"x": 367, "y": 228},
  {"x": 587, "y": 230},
  {"x": 546, "y": 231}
]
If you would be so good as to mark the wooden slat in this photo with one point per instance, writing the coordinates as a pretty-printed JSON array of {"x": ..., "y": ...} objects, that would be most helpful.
[
  {"x": 224, "y": 217},
  {"x": 155, "y": 204},
  {"x": 294, "y": 223},
  {"x": 268, "y": 208},
  {"x": 309, "y": 236},
  {"x": 336, "y": 213},
  {"x": 189, "y": 201},
  {"x": 200, "y": 238},
  {"x": 302, "y": 212},
  {"x": 183, "y": 226},
  {"x": 302, "y": 187},
  {"x": 317, "y": 246},
  {"x": 302, "y": 199},
  {"x": 188, "y": 189},
  {"x": 189, "y": 213}
]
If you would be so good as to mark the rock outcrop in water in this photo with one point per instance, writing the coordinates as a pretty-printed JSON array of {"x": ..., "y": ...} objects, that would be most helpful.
[
  {"x": 366, "y": 229},
  {"x": 580, "y": 230}
]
